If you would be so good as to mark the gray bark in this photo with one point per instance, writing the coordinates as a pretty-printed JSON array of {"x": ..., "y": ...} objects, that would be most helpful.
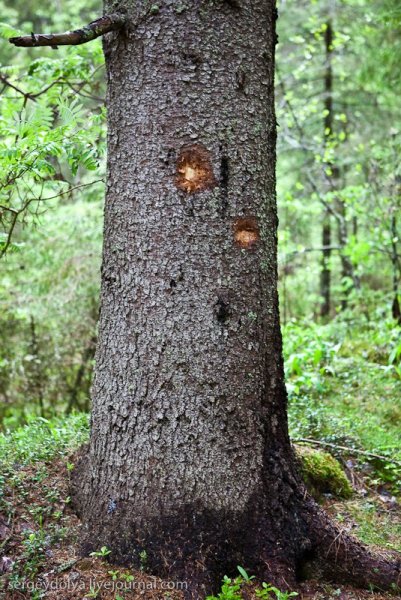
[{"x": 189, "y": 457}]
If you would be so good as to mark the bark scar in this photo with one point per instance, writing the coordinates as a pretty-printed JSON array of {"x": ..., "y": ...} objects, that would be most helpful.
[
  {"x": 224, "y": 178},
  {"x": 194, "y": 169}
]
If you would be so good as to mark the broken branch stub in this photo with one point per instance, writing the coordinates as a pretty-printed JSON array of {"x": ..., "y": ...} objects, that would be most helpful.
[{"x": 86, "y": 34}]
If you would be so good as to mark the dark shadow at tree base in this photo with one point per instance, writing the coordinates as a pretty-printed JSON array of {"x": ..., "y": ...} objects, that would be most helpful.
[{"x": 199, "y": 546}]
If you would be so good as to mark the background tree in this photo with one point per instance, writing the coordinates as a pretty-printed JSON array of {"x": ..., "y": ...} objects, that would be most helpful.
[{"x": 361, "y": 98}]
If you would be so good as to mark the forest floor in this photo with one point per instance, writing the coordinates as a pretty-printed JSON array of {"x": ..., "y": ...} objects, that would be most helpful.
[{"x": 343, "y": 394}]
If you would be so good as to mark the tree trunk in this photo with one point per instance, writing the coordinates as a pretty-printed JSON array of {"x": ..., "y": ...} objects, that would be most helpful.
[
  {"x": 325, "y": 273},
  {"x": 339, "y": 208},
  {"x": 189, "y": 458}
]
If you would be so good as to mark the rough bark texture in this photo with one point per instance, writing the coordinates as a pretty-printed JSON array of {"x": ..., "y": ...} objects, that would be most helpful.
[{"x": 189, "y": 458}]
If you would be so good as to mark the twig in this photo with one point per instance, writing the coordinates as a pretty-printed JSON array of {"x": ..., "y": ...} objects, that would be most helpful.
[
  {"x": 10, "y": 234},
  {"x": 321, "y": 249},
  {"x": 17, "y": 213},
  {"x": 70, "y": 189},
  {"x": 350, "y": 450},
  {"x": 4, "y": 80},
  {"x": 90, "y": 32}
]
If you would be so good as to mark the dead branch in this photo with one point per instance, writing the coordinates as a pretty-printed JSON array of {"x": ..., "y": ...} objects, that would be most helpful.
[
  {"x": 86, "y": 34},
  {"x": 348, "y": 449}
]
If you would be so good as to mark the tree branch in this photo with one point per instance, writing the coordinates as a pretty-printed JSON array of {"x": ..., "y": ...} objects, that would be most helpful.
[
  {"x": 348, "y": 449},
  {"x": 95, "y": 29},
  {"x": 17, "y": 212}
]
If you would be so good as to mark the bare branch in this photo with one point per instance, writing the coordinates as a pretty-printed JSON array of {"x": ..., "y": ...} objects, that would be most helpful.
[
  {"x": 6, "y": 82},
  {"x": 347, "y": 449},
  {"x": 9, "y": 235},
  {"x": 71, "y": 189},
  {"x": 90, "y": 32},
  {"x": 17, "y": 212}
]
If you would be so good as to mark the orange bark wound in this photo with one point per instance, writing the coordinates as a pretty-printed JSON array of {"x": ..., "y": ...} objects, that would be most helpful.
[
  {"x": 246, "y": 232},
  {"x": 194, "y": 169}
]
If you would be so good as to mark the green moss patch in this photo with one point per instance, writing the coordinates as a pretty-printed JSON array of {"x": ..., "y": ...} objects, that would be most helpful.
[{"x": 322, "y": 473}]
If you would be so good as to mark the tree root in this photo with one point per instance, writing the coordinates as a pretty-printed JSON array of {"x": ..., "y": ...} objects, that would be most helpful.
[{"x": 343, "y": 559}]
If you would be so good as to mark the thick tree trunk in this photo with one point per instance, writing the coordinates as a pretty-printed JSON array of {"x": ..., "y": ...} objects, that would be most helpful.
[{"x": 189, "y": 458}]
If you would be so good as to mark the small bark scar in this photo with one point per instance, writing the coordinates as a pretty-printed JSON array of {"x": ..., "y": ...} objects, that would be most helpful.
[
  {"x": 194, "y": 169},
  {"x": 224, "y": 179},
  {"x": 246, "y": 232},
  {"x": 93, "y": 30},
  {"x": 233, "y": 3},
  {"x": 222, "y": 309}
]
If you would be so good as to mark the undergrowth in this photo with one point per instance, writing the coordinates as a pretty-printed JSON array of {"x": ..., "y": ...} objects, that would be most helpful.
[{"x": 335, "y": 374}]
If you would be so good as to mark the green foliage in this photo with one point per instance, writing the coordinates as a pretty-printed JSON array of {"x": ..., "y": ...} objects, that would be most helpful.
[
  {"x": 267, "y": 590},
  {"x": 353, "y": 373},
  {"x": 143, "y": 560},
  {"x": 348, "y": 170},
  {"x": 247, "y": 578},
  {"x": 374, "y": 525},
  {"x": 57, "y": 278},
  {"x": 27, "y": 495},
  {"x": 42, "y": 440},
  {"x": 47, "y": 137},
  {"x": 34, "y": 554},
  {"x": 94, "y": 592},
  {"x": 52, "y": 139},
  {"x": 102, "y": 553},
  {"x": 231, "y": 589}
]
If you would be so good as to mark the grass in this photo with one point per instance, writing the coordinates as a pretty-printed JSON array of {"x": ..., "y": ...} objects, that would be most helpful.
[
  {"x": 43, "y": 440},
  {"x": 375, "y": 522}
]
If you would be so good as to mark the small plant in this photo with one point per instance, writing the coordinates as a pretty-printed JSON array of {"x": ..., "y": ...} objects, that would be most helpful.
[
  {"x": 143, "y": 559},
  {"x": 93, "y": 592},
  {"x": 34, "y": 552},
  {"x": 114, "y": 575},
  {"x": 245, "y": 575},
  {"x": 104, "y": 551},
  {"x": 230, "y": 590},
  {"x": 267, "y": 589}
]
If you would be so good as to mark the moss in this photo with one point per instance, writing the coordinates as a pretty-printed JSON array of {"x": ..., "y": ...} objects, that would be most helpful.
[
  {"x": 375, "y": 525},
  {"x": 322, "y": 473}
]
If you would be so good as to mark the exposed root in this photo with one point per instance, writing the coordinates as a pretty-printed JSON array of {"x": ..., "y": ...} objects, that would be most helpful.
[{"x": 343, "y": 559}]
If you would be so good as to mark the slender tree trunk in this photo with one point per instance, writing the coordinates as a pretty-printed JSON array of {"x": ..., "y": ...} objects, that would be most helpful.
[
  {"x": 35, "y": 371},
  {"x": 395, "y": 263},
  {"x": 325, "y": 274},
  {"x": 189, "y": 458},
  {"x": 347, "y": 270},
  {"x": 79, "y": 384}
]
